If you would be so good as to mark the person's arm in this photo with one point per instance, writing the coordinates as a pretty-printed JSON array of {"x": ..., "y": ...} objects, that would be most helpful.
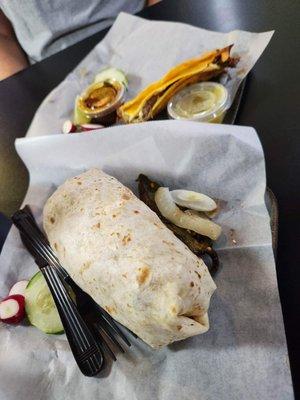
[{"x": 12, "y": 57}]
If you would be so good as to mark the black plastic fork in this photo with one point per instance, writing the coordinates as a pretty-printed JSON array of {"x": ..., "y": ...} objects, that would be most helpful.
[
  {"x": 101, "y": 324},
  {"x": 85, "y": 349}
]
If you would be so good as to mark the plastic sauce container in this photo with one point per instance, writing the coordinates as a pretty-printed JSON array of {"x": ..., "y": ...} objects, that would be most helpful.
[
  {"x": 101, "y": 98},
  {"x": 203, "y": 102}
]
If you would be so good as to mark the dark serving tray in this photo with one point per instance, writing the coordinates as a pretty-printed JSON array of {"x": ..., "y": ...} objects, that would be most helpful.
[
  {"x": 270, "y": 199},
  {"x": 230, "y": 117},
  {"x": 232, "y": 112}
]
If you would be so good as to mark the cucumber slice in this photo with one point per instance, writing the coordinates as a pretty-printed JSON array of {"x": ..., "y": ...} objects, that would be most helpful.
[
  {"x": 111, "y": 73},
  {"x": 79, "y": 116},
  {"x": 40, "y": 307}
]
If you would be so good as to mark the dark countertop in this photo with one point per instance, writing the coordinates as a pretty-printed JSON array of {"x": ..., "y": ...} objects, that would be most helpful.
[{"x": 270, "y": 104}]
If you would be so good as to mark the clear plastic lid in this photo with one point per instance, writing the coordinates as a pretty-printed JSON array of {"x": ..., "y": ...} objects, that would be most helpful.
[{"x": 204, "y": 101}]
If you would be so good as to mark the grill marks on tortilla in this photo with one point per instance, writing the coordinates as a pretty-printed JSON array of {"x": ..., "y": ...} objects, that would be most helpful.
[{"x": 143, "y": 275}]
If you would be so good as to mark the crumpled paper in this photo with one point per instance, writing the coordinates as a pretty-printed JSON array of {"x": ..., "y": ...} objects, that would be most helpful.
[
  {"x": 244, "y": 354},
  {"x": 145, "y": 51}
]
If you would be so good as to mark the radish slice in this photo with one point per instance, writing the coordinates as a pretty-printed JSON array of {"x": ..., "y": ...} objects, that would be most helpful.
[
  {"x": 169, "y": 210},
  {"x": 91, "y": 127},
  {"x": 12, "y": 309},
  {"x": 68, "y": 127},
  {"x": 194, "y": 200},
  {"x": 18, "y": 288}
]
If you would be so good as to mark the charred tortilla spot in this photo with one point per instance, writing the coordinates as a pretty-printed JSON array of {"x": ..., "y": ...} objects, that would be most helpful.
[
  {"x": 96, "y": 226},
  {"x": 179, "y": 327},
  {"x": 126, "y": 196},
  {"x": 110, "y": 310},
  {"x": 126, "y": 239},
  {"x": 52, "y": 220},
  {"x": 174, "y": 310},
  {"x": 56, "y": 246},
  {"x": 86, "y": 265},
  {"x": 192, "y": 284},
  {"x": 168, "y": 243},
  {"x": 136, "y": 212},
  {"x": 143, "y": 275},
  {"x": 124, "y": 275},
  {"x": 115, "y": 233},
  {"x": 79, "y": 183},
  {"x": 197, "y": 273}
]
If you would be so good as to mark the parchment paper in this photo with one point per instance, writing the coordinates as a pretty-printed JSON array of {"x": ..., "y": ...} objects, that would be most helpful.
[
  {"x": 244, "y": 354},
  {"x": 145, "y": 51}
]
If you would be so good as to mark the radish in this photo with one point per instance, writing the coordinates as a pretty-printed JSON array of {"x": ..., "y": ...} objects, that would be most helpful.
[
  {"x": 90, "y": 127},
  {"x": 12, "y": 309},
  {"x": 18, "y": 288},
  {"x": 69, "y": 127}
]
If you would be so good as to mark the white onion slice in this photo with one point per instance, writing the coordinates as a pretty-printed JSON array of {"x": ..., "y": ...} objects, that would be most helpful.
[
  {"x": 194, "y": 200},
  {"x": 169, "y": 210}
]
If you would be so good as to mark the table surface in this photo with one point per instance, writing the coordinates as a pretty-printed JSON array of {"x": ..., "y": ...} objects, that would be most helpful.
[{"x": 270, "y": 104}]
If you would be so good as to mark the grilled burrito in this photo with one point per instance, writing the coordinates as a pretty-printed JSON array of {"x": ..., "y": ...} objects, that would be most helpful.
[
  {"x": 154, "y": 98},
  {"x": 118, "y": 251}
]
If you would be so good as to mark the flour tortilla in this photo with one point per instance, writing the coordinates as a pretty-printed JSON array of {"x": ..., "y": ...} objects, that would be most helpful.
[{"x": 117, "y": 250}]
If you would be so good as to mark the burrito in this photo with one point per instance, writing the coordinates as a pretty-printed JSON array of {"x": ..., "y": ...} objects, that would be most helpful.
[
  {"x": 154, "y": 98},
  {"x": 119, "y": 252}
]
